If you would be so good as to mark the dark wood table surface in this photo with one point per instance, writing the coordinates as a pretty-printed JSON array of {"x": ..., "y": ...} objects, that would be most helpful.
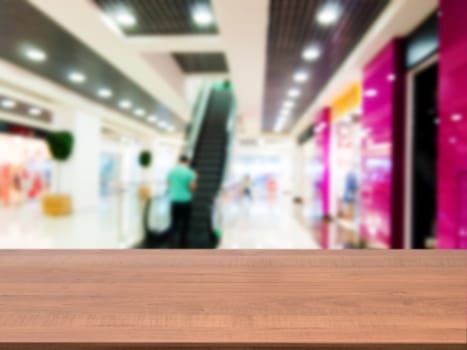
[{"x": 233, "y": 299}]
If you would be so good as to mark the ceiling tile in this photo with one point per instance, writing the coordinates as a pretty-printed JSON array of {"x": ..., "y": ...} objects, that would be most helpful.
[
  {"x": 202, "y": 62},
  {"x": 159, "y": 17}
]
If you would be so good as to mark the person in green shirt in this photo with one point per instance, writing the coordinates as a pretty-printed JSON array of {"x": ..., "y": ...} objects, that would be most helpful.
[{"x": 182, "y": 184}]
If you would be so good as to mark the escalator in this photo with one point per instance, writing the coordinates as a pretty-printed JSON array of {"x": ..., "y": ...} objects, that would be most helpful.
[
  {"x": 208, "y": 145},
  {"x": 209, "y": 162}
]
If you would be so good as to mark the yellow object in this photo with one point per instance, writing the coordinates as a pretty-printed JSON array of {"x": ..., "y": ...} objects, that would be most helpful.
[
  {"x": 57, "y": 205},
  {"x": 144, "y": 192},
  {"x": 349, "y": 101}
]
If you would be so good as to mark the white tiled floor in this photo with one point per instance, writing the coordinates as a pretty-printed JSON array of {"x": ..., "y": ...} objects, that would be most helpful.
[
  {"x": 26, "y": 227},
  {"x": 263, "y": 224},
  {"x": 117, "y": 224}
]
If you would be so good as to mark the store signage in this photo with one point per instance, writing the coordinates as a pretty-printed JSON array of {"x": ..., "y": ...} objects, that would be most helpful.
[{"x": 349, "y": 101}]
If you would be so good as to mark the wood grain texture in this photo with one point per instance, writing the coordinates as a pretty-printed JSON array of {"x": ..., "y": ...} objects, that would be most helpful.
[{"x": 233, "y": 300}]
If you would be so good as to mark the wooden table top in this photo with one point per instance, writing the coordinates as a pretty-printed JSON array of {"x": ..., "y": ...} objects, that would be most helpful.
[{"x": 235, "y": 299}]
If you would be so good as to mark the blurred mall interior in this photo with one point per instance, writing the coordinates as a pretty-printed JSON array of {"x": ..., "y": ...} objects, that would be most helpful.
[{"x": 311, "y": 124}]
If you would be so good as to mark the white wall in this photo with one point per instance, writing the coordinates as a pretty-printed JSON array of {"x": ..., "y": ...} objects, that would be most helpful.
[{"x": 79, "y": 176}]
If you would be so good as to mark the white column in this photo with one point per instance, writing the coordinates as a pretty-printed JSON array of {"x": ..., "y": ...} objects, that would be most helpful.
[{"x": 79, "y": 175}]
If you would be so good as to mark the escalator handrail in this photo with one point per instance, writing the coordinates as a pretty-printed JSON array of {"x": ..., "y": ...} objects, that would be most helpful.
[
  {"x": 230, "y": 129},
  {"x": 199, "y": 114}
]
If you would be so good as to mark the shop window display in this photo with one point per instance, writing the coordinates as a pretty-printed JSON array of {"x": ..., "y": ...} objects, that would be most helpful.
[
  {"x": 25, "y": 170},
  {"x": 346, "y": 167}
]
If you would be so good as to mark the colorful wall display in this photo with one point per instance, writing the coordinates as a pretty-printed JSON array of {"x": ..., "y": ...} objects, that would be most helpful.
[
  {"x": 345, "y": 158},
  {"x": 25, "y": 169},
  {"x": 345, "y": 167},
  {"x": 452, "y": 141}
]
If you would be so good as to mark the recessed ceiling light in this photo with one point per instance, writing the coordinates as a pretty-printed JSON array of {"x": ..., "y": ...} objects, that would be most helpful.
[
  {"x": 125, "y": 19},
  {"x": 163, "y": 125},
  {"x": 152, "y": 119},
  {"x": 312, "y": 53},
  {"x": 300, "y": 76},
  {"x": 289, "y": 104},
  {"x": 125, "y": 104},
  {"x": 77, "y": 77},
  {"x": 9, "y": 104},
  {"x": 329, "y": 14},
  {"x": 203, "y": 16},
  {"x": 278, "y": 127},
  {"x": 35, "y": 54},
  {"x": 294, "y": 93},
  {"x": 105, "y": 93},
  {"x": 35, "y": 111},
  {"x": 140, "y": 112}
]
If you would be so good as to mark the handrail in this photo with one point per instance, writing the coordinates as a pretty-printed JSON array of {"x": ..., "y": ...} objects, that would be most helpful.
[
  {"x": 230, "y": 129},
  {"x": 217, "y": 219},
  {"x": 198, "y": 117}
]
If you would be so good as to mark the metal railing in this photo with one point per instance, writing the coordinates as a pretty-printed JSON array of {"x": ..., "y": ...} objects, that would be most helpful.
[
  {"x": 232, "y": 118},
  {"x": 198, "y": 117}
]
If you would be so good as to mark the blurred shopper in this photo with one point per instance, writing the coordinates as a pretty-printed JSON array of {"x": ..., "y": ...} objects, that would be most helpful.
[
  {"x": 246, "y": 188},
  {"x": 182, "y": 184},
  {"x": 350, "y": 194},
  {"x": 272, "y": 188}
]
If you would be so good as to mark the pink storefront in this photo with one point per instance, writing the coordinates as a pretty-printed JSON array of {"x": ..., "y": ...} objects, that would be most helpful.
[
  {"x": 382, "y": 184},
  {"x": 452, "y": 141},
  {"x": 385, "y": 189}
]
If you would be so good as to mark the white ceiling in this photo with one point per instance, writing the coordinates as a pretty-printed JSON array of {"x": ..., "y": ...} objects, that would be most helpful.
[{"x": 243, "y": 25}]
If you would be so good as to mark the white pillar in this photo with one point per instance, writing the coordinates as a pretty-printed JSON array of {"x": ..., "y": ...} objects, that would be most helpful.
[{"x": 79, "y": 175}]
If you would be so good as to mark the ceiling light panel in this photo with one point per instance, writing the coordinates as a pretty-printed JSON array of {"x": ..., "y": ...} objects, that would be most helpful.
[
  {"x": 77, "y": 77},
  {"x": 35, "y": 54},
  {"x": 202, "y": 16},
  {"x": 329, "y": 14},
  {"x": 311, "y": 53}
]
